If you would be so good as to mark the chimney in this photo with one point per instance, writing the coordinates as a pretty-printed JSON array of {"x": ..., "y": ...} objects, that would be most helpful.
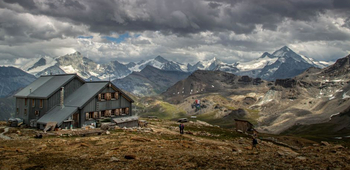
[
  {"x": 62, "y": 97},
  {"x": 30, "y": 90}
]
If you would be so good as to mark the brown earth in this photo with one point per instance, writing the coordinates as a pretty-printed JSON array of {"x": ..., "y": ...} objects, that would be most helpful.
[{"x": 160, "y": 146}]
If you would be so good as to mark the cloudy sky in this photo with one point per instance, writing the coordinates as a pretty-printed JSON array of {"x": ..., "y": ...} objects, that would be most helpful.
[{"x": 179, "y": 30}]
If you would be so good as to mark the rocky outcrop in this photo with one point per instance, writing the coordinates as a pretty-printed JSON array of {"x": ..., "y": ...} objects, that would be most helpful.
[
  {"x": 245, "y": 79},
  {"x": 340, "y": 67},
  {"x": 286, "y": 83}
]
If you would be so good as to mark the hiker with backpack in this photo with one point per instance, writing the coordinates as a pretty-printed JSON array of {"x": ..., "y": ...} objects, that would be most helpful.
[{"x": 182, "y": 127}]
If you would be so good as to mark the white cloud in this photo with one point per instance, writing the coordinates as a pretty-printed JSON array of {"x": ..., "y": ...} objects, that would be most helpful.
[{"x": 185, "y": 31}]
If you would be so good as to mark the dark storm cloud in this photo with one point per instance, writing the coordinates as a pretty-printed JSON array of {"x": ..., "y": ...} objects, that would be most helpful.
[
  {"x": 341, "y": 4},
  {"x": 214, "y": 5},
  {"x": 29, "y": 4},
  {"x": 182, "y": 17},
  {"x": 17, "y": 28},
  {"x": 199, "y": 28}
]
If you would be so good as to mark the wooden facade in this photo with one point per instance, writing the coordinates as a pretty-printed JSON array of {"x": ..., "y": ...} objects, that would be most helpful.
[
  {"x": 27, "y": 111},
  {"x": 105, "y": 105},
  {"x": 88, "y": 102}
]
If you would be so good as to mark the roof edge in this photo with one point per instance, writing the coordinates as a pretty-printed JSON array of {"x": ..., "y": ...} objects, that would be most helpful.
[
  {"x": 59, "y": 75},
  {"x": 75, "y": 76},
  {"x": 123, "y": 93},
  {"x": 93, "y": 96}
]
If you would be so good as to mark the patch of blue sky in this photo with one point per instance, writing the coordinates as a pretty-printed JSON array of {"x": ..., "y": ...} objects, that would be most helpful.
[
  {"x": 85, "y": 37},
  {"x": 121, "y": 37}
]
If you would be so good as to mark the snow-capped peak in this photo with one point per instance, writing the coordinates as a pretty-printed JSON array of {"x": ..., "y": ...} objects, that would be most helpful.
[
  {"x": 160, "y": 63},
  {"x": 210, "y": 64},
  {"x": 282, "y": 52},
  {"x": 39, "y": 64}
]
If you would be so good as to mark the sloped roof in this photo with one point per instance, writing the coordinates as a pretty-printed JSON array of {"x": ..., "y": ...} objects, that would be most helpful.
[
  {"x": 57, "y": 114},
  {"x": 77, "y": 100},
  {"x": 45, "y": 86},
  {"x": 84, "y": 94}
]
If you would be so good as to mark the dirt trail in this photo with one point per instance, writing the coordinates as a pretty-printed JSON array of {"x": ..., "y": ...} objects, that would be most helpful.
[
  {"x": 195, "y": 138},
  {"x": 2, "y": 136}
]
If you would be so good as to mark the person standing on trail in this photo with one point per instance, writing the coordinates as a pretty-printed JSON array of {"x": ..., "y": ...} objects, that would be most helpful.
[
  {"x": 254, "y": 143},
  {"x": 182, "y": 127}
]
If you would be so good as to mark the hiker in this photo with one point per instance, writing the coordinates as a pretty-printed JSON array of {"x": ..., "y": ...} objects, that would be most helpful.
[
  {"x": 254, "y": 142},
  {"x": 182, "y": 127}
]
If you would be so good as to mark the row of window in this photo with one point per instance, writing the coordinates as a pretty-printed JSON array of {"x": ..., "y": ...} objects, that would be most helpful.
[
  {"x": 108, "y": 96},
  {"x": 107, "y": 113},
  {"x": 33, "y": 103},
  {"x": 37, "y": 112}
]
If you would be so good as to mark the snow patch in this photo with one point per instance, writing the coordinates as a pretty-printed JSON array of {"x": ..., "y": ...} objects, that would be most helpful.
[
  {"x": 69, "y": 69},
  {"x": 345, "y": 96},
  {"x": 330, "y": 118},
  {"x": 259, "y": 63},
  {"x": 49, "y": 63}
]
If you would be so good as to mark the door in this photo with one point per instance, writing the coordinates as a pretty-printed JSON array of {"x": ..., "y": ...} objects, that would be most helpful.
[{"x": 76, "y": 120}]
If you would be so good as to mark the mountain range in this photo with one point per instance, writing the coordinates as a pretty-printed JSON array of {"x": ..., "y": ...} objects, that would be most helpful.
[
  {"x": 13, "y": 79},
  {"x": 303, "y": 92},
  {"x": 149, "y": 81},
  {"x": 283, "y": 63},
  {"x": 314, "y": 98}
]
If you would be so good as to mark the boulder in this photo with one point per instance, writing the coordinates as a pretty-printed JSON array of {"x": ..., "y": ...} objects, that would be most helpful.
[
  {"x": 113, "y": 159},
  {"x": 130, "y": 156},
  {"x": 324, "y": 143},
  {"x": 286, "y": 83}
]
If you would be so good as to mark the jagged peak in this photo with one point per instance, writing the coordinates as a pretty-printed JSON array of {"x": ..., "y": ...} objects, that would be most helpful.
[
  {"x": 214, "y": 59},
  {"x": 285, "y": 48},
  {"x": 75, "y": 53},
  {"x": 266, "y": 54},
  {"x": 284, "y": 52},
  {"x": 161, "y": 59}
]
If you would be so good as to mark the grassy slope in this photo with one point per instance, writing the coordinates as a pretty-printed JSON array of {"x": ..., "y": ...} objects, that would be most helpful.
[{"x": 163, "y": 110}]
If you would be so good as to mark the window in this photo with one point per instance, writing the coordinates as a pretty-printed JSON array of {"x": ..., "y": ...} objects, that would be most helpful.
[
  {"x": 89, "y": 115},
  {"x": 123, "y": 111},
  {"x": 36, "y": 113},
  {"x": 117, "y": 112},
  {"x": 17, "y": 110},
  {"x": 25, "y": 102},
  {"x": 103, "y": 112},
  {"x": 101, "y": 96},
  {"x": 116, "y": 95},
  {"x": 108, "y": 113},
  {"x": 33, "y": 103},
  {"x": 127, "y": 110},
  {"x": 41, "y": 103},
  {"x": 108, "y": 96},
  {"x": 25, "y": 111},
  {"x": 95, "y": 115},
  {"x": 113, "y": 112}
]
